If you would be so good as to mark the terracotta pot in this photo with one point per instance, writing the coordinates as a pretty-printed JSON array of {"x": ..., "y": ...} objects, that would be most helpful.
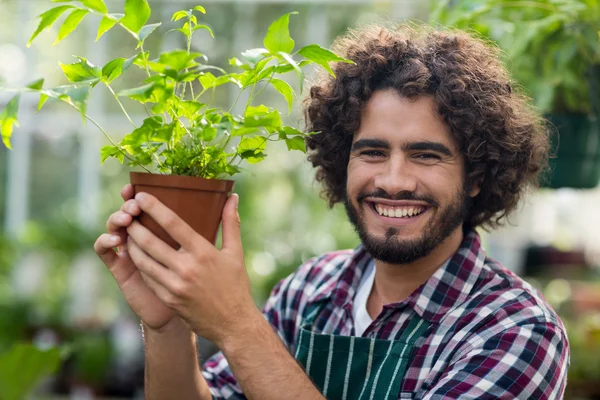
[{"x": 198, "y": 201}]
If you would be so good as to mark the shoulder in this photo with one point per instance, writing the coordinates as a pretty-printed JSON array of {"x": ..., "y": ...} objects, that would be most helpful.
[{"x": 500, "y": 301}]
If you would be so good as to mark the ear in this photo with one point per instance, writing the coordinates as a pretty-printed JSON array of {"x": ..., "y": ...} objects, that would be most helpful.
[{"x": 475, "y": 190}]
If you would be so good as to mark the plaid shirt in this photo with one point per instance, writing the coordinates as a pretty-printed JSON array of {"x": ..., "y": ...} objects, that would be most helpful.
[{"x": 492, "y": 335}]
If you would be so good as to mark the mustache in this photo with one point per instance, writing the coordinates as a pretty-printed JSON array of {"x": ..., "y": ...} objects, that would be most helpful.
[{"x": 403, "y": 195}]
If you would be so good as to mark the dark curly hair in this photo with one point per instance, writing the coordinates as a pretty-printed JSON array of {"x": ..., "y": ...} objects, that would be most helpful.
[{"x": 503, "y": 139}]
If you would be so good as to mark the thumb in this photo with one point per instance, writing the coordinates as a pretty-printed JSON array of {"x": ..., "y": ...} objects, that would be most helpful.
[{"x": 232, "y": 240}]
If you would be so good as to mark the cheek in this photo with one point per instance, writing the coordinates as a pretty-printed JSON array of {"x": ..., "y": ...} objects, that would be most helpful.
[{"x": 360, "y": 176}]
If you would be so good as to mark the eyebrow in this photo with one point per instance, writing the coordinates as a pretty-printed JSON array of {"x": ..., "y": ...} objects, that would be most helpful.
[
  {"x": 412, "y": 146},
  {"x": 371, "y": 144},
  {"x": 431, "y": 146}
]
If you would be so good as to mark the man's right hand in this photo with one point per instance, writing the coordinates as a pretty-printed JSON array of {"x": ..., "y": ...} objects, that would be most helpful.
[{"x": 142, "y": 301}]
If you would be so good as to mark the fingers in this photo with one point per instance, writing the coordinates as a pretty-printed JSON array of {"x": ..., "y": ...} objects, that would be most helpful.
[
  {"x": 118, "y": 221},
  {"x": 151, "y": 244},
  {"x": 160, "y": 276},
  {"x": 232, "y": 241},
  {"x": 123, "y": 218},
  {"x": 104, "y": 247},
  {"x": 127, "y": 192},
  {"x": 180, "y": 231}
]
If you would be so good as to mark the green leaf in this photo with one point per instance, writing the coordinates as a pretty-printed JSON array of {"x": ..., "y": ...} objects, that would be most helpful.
[
  {"x": 262, "y": 116},
  {"x": 70, "y": 24},
  {"x": 113, "y": 69},
  {"x": 106, "y": 23},
  {"x": 287, "y": 131},
  {"x": 97, "y": 5},
  {"x": 43, "y": 98},
  {"x": 283, "y": 68},
  {"x": 252, "y": 148},
  {"x": 8, "y": 120},
  {"x": 285, "y": 89},
  {"x": 322, "y": 56},
  {"x": 206, "y": 27},
  {"x": 201, "y": 9},
  {"x": 178, "y": 59},
  {"x": 296, "y": 67},
  {"x": 36, "y": 85},
  {"x": 143, "y": 134},
  {"x": 75, "y": 95},
  {"x": 47, "y": 19},
  {"x": 137, "y": 13},
  {"x": 33, "y": 365},
  {"x": 141, "y": 94},
  {"x": 179, "y": 15},
  {"x": 82, "y": 71},
  {"x": 189, "y": 108},
  {"x": 278, "y": 36},
  {"x": 255, "y": 55},
  {"x": 111, "y": 151},
  {"x": 147, "y": 30},
  {"x": 296, "y": 143}
]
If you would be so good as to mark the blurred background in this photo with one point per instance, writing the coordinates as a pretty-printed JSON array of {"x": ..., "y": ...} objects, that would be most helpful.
[{"x": 55, "y": 195}]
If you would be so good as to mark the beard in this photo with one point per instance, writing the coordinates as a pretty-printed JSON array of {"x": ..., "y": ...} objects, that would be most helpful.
[{"x": 391, "y": 248}]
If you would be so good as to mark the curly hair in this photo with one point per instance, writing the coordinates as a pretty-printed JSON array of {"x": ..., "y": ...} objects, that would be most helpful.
[{"x": 502, "y": 137}]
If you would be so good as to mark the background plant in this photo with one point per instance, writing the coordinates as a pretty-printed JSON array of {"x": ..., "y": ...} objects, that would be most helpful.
[
  {"x": 182, "y": 134},
  {"x": 552, "y": 46}
]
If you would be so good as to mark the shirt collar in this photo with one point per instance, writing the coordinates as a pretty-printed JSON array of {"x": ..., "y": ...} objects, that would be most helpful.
[{"x": 449, "y": 286}]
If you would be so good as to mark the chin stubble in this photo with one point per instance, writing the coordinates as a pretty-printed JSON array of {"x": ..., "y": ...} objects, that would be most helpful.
[{"x": 392, "y": 249}]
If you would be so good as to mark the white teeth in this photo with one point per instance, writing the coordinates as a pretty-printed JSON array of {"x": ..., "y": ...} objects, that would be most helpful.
[{"x": 398, "y": 212}]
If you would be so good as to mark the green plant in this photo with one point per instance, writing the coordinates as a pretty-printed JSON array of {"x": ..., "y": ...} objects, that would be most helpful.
[
  {"x": 552, "y": 46},
  {"x": 183, "y": 134},
  {"x": 33, "y": 365}
]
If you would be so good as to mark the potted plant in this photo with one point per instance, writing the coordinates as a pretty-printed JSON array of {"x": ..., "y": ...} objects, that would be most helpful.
[
  {"x": 553, "y": 51},
  {"x": 186, "y": 145}
]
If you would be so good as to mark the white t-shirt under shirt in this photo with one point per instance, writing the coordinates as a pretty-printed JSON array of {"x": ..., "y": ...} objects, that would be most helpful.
[{"x": 361, "y": 317}]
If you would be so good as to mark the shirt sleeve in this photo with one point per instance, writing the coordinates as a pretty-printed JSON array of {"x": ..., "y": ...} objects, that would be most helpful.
[
  {"x": 528, "y": 361},
  {"x": 279, "y": 311}
]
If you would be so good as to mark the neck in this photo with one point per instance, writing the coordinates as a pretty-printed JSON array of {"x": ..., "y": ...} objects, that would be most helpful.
[{"x": 394, "y": 283}]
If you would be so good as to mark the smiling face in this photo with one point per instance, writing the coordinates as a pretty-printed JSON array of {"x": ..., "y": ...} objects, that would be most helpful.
[{"x": 405, "y": 191}]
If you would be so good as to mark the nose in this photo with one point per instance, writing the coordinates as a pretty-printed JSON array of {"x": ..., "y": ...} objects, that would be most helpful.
[{"x": 395, "y": 176}]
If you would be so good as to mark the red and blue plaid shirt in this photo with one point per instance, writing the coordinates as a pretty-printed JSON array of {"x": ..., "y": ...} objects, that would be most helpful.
[{"x": 492, "y": 335}]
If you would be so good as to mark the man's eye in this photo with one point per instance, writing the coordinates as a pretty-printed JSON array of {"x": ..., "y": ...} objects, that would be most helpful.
[
  {"x": 371, "y": 153},
  {"x": 428, "y": 157}
]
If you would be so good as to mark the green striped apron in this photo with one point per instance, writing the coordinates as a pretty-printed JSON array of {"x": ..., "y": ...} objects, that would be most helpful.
[{"x": 349, "y": 367}]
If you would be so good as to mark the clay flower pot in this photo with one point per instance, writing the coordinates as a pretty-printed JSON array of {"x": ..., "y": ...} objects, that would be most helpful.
[{"x": 198, "y": 201}]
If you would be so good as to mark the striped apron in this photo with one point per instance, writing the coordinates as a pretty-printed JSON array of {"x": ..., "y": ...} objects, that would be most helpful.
[{"x": 356, "y": 368}]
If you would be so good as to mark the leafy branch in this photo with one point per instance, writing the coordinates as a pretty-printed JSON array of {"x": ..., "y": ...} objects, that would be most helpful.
[{"x": 180, "y": 132}]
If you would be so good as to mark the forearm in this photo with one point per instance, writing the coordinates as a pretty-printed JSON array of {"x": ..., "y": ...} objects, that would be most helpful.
[
  {"x": 171, "y": 363},
  {"x": 263, "y": 366}
]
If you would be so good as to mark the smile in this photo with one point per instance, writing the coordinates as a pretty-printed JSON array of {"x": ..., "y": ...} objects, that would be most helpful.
[{"x": 398, "y": 212}]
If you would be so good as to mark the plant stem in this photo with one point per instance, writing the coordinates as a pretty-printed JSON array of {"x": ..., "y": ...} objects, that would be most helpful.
[
  {"x": 106, "y": 135},
  {"x": 236, "y": 100},
  {"x": 267, "y": 84},
  {"x": 145, "y": 60},
  {"x": 250, "y": 98},
  {"x": 121, "y": 105}
]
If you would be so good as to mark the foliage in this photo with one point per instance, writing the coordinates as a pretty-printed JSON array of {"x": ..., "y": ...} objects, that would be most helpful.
[
  {"x": 183, "y": 133},
  {"x": 552, "y": 46},
  {"x": 33, "y": 365}
]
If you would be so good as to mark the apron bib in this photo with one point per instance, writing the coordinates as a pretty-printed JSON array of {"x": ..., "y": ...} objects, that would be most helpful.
[{"x": 356, "y": 368}]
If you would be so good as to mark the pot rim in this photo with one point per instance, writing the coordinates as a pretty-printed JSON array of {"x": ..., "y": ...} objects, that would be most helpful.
[{"x": 181, "y": 182}]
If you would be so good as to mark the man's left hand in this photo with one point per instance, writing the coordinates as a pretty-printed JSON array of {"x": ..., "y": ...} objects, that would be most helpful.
[{"x": 207, "y": 287}]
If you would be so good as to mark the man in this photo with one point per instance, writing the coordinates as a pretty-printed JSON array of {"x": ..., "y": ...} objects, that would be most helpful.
[{"x": 423, "y": 140}]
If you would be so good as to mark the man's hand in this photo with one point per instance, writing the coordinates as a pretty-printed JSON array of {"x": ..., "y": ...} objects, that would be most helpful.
[
  {"x": 207, "y": 287},
  {"x": 142, "y": 301}
]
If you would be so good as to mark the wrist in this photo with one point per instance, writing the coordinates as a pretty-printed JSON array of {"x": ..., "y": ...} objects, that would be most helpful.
[
  {"x": 246, "y": 332},
  {"x": 175, "y": 326}
]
